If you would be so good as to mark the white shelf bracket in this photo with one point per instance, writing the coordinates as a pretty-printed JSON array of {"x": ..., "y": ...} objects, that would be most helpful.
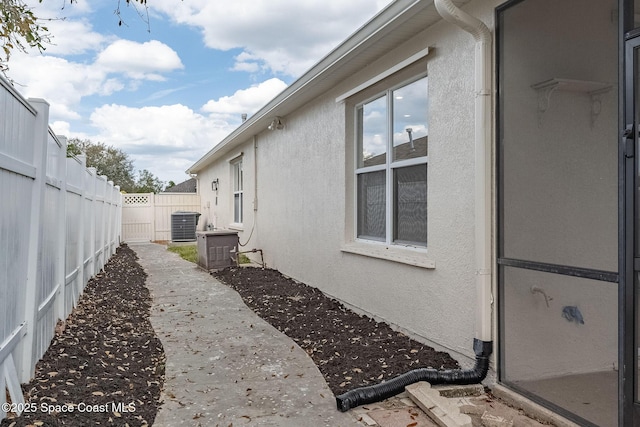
[
  {"x": 544, "y": 101},
  {"x": 594, "y": 90},
  {"x": 596, "y": 104}
]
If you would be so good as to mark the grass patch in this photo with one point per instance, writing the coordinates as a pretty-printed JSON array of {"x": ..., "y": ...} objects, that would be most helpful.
[{"x": 188, "y": 252}]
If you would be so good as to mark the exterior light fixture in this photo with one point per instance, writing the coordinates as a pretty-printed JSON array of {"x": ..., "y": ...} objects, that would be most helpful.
[
  {"x": 214, "y": 184},
  {"x": 276, "y": 124}
]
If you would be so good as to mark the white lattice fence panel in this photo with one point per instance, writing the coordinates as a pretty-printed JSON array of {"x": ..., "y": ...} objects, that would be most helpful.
[{"x": 131, "y": 200}]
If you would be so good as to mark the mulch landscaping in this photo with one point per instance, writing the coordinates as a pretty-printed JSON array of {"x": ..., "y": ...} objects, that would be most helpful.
[
  {"x": 105, "y": 366},
  {"x": 350, "y": 350}
]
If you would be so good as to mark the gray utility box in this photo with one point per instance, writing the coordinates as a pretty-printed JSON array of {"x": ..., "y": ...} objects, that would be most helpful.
[
  {"x": 217, "y": 249},
  {"x": 183, "y": 226}
]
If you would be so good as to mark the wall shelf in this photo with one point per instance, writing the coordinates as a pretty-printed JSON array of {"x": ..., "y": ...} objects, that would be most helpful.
[{"x": 594, "y": 90}]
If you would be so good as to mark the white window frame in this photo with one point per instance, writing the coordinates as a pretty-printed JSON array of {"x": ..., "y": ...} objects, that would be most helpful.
[
  {"x": 389, "y": 167},
  {"x": 238, "y": 191}
]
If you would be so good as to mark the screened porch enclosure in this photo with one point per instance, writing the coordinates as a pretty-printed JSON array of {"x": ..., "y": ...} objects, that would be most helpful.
[{"x": 558, "y": 204}]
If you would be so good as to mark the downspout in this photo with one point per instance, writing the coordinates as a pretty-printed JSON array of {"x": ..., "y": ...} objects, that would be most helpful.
[
  {"x": 482, "y": 343},
  {"x": 255, "y": 176}
]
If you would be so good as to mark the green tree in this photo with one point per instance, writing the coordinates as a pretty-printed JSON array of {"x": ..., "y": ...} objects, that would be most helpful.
[
  {"x": 109, "y": 161},
  {"x": 148, "y": 183}
]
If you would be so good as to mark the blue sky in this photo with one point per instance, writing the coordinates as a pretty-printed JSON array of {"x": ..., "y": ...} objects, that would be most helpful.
[{"x": 166, "y": 92}]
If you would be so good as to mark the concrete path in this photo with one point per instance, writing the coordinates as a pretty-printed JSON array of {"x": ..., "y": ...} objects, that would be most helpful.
[{"x": 226, "y": 366}]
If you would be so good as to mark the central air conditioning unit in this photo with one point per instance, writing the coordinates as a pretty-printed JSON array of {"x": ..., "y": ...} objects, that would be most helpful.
[
  {"x": 183, "y": 226},
  {"x": 217, "y": 249}
]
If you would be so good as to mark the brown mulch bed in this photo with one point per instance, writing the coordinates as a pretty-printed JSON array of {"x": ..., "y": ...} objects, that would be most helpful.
[
  {"x": 349, "y": 349},
  {"x": 105, "y": 366}
]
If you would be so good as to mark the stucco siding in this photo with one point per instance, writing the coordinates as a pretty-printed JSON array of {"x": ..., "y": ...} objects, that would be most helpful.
[
  {"x": 301, "y": 227},
  {"x": 305, "y": 176}
]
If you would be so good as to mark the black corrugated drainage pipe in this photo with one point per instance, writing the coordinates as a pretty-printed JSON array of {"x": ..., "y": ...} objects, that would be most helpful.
[{"x": 387, "y": 389}]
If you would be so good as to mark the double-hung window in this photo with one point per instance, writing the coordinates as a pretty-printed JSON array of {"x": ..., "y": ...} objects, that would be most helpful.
[
  {"x": 391, "y": 170},
  {"x": 237, "y": 191}
]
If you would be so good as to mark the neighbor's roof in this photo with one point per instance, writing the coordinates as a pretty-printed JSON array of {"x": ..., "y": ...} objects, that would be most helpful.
[
  {"x": 395, "y": 24},
  {"x": 188, "y": 186}
]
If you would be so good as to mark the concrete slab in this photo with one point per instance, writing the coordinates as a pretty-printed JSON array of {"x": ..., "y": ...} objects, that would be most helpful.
[
  {"x": 226, "y": 366},
  {"x": 530, "y": 408},
  {"x": 401, "y": 417}
]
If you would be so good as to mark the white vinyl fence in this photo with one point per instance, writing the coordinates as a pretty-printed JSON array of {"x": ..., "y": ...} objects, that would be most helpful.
[
  {"x": 147, "y": 216},
  {"x": 59, "y": 224}
]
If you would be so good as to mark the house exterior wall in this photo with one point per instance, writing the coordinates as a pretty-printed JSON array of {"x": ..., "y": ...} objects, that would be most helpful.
[
  {"x": 217, "y": 206},
  {"x": 306, "y": 199}
]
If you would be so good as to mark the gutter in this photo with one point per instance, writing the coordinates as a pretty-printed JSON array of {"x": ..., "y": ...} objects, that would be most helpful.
[{"x": 483, "y": 342}]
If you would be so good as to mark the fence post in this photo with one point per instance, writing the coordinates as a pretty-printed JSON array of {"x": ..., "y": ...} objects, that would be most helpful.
[
  {"x": 41, "y": 131},
  {"x": 118, "y": 223},
  {"x": 152, "y": 200},
  {"x": 81, "y": 225},
  {"x": 91, "y": 185},
  {"x": 61, "y": 255},
  {"x": 112, "y": 214},
  {"x": 105, "y": 218}
]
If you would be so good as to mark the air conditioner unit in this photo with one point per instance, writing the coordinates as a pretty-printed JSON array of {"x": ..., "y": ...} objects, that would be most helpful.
[
  {"x": 183, "y": 226},
  {"x": 217, "y": 249}
]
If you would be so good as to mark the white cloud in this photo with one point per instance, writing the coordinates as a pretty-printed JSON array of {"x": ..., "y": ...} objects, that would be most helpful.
[
  {"x": 139, "y": 60},
  {"x": 64, "y": 83},
  {"x": 170, "y": 126},
  {"x": 247, "y": 62},
  {"x": 61, "y": 128},
  {"x": 284, "y": 36},
  {"x": 73, "y": 37},
  {"x": 165, "y": 140},
  {"x": 69, "y": 29},
  {"x": 59, "y": 9},
  {"x": 246, "y": 100}
]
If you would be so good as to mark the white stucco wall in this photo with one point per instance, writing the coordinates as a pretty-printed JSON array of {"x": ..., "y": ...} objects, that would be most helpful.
[
  {"x": 217, "y": 207},
  {"x": 306, "y": 201}
]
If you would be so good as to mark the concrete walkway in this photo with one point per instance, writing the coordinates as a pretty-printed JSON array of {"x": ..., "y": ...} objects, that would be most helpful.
[{"x": 226, "y": 366}]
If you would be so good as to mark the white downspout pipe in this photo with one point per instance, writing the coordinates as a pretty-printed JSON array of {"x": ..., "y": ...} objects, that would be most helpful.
[{"x": 483, "y": 124}]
